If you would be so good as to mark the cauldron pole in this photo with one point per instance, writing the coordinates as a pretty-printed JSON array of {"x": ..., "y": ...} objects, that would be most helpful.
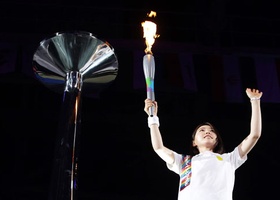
[{"x": 69, "y": 63}]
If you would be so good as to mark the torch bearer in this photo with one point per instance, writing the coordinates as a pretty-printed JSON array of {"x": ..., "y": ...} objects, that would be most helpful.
[{"x": 149, "y": 29}]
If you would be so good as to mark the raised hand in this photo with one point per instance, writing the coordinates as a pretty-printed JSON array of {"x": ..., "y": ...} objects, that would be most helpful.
[
  {"x": 253, "y": 93},
  {"x": 149, "y": 103}
]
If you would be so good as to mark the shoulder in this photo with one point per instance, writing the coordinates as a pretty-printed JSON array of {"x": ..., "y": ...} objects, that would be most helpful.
[{"x": 234, "y": 157}]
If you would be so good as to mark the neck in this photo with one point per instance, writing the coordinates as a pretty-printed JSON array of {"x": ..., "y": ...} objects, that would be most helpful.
[{"x": 203, "y": 149}]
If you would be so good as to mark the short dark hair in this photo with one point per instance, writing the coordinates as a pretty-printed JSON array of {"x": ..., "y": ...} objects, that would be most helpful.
[{"x": 219, "y": 148}]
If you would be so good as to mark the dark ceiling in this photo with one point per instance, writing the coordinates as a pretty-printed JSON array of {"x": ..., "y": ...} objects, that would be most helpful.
[
  {"x": 116, "y": 160},
  {"x": 216, "y": 23}
]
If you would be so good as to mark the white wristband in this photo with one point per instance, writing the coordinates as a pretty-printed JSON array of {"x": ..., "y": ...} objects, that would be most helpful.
[{"x": 153, "y": 120}]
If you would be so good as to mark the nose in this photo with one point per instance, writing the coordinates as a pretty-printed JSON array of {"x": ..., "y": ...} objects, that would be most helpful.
[{"x": 207, "y": 133}]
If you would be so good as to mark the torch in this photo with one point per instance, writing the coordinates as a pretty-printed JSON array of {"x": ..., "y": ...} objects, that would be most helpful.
[{"x": 149, "y": 29}]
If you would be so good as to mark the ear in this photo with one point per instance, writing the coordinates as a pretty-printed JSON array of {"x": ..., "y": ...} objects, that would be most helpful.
[{"x": 193, "y": 144}]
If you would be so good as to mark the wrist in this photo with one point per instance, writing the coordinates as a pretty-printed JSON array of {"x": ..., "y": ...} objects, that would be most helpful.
[
  {"x": 154, "y": 120},
  {"x": 255, "y": 99}
]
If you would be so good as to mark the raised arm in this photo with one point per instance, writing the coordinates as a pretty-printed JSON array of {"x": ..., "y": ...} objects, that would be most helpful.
[
  {"x": 156, "y": 139},
  {"x": 256, "y": 123}
]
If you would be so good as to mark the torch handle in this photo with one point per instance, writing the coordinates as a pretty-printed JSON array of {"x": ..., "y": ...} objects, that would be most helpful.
[{"x": 151, "y": 95}]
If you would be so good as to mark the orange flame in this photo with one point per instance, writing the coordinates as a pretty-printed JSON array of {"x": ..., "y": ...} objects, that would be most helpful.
[{"x": 150, "y": 29}]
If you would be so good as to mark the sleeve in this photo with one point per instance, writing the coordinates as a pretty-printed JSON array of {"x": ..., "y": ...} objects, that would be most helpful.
[
  {"x": 236, "y": 159},
  {"x": 176, "y": 166}
]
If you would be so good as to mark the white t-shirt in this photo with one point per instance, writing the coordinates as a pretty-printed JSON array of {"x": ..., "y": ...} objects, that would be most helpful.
[{"x": 209, "y": 176}]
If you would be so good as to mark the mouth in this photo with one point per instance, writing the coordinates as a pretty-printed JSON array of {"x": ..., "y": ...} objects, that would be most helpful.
[{"x": 208, "y": 136}]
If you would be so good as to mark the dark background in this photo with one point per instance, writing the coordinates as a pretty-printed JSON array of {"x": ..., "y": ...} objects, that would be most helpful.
[{"x": 116, "y": 158}]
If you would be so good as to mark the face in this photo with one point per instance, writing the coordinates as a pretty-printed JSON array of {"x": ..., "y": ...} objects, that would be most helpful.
[{"x": 205, "y": 137}]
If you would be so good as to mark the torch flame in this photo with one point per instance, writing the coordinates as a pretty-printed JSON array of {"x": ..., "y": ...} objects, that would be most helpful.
[{"x": 150, "y": 29}]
